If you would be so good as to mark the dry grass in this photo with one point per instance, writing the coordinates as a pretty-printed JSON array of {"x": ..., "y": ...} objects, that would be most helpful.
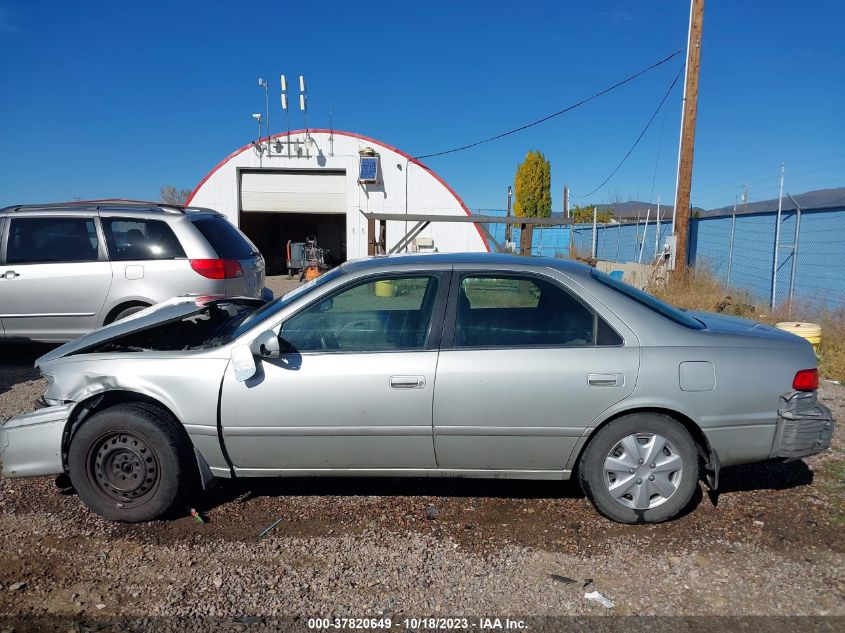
[{"x": 699, "y": 290}]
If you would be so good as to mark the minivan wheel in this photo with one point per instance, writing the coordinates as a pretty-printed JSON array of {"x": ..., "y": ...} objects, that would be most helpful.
[
  {"x": 129, "y": 463},
  {"x": 126, "y": 312},
  {"x": 640, "y": 468}
]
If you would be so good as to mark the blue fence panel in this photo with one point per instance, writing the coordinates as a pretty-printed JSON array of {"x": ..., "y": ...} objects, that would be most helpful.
[{"x": 819, "y": 263}]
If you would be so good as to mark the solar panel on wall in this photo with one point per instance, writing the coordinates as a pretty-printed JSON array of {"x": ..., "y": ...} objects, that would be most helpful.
[{"x": 368, "y": 169}]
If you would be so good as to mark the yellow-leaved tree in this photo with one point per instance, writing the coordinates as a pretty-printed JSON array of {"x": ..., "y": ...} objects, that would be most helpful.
[{"x": 533, "y": 186}]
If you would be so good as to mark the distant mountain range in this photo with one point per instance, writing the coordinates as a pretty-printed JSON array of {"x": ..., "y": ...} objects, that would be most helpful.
[
  {"x": 633, "y": 209},
  {"x": 809, "y": 200}
]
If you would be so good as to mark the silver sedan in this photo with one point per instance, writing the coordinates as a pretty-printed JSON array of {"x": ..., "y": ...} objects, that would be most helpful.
[{"x": 424, "y": 365}]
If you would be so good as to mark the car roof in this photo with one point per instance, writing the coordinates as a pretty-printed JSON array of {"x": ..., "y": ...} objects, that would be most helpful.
[
  {"x": 506, "y": 261},
  {"x": 133, "y": 207}
]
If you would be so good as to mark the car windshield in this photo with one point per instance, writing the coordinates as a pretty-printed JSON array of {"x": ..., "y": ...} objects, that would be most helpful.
[
  {"x": 650, "y": 302},
  {"x": 277, "y": 305}
]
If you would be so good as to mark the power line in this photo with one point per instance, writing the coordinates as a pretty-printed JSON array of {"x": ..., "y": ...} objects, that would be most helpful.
[
  {"x": 555, "y": 114},
  {"x": 639, "y": 138}
]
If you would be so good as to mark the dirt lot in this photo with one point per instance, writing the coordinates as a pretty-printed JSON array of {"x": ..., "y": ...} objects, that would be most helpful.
[{"x": 772, "y": 543}]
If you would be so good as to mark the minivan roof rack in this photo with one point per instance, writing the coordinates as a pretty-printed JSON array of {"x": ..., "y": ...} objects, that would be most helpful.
[{"x": 109, "y": 205}]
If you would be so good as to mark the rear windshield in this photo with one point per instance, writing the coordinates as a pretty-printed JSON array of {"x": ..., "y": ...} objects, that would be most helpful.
[
  {"x": 224, "y": 238},
  {"x": 664, "y": 309}
]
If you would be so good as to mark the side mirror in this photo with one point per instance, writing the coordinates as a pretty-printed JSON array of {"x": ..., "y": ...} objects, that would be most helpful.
[
  {"x": 266, "y": 345},
  {"x": 243, "y": 363}
]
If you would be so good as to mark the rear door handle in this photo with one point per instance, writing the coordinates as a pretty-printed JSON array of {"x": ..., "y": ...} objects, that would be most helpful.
[
  {"x": 10, "y": 274},
  {"x": 605, "y": 380},
  {"x": 407, "y": 382}
]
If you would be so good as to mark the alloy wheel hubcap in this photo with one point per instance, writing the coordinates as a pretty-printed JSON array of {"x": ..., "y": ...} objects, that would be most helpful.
[
  {"x": 124, "y": 468},
  {"x": 642, "y": 471}
]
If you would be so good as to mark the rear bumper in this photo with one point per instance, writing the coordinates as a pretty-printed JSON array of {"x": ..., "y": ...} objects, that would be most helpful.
[
  {"x": 805, "y": 426},
  {"x": 31, "y": 444}
]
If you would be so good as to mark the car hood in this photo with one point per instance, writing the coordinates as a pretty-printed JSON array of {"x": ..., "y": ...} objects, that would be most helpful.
[
  {"x": 725, "y": 324},
  {"x": 165, "y": 312}
]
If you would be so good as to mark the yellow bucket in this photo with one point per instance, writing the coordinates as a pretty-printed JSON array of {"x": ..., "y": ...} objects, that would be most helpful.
[
  {"x": 810, "y": 331},
  {"x": 385, "y": 288}
]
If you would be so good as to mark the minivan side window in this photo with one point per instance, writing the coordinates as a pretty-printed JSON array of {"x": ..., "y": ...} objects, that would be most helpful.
[
  {"x": 61, "y": 239},
  {"x": 377, "y": 315},
  {"x": 139, "y": 239},
  {"x": 521, "y": 311}
]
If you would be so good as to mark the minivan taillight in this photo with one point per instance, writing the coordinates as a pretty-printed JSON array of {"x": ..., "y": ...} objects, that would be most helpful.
[
  {"x": 218, "y": 268},
  {"x": 806, "y": 380}
]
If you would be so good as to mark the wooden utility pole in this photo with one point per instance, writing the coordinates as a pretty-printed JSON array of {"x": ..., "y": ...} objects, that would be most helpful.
[{"x": 685, "y": 151}]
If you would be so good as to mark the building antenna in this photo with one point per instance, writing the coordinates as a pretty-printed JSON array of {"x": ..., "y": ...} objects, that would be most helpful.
[
  {"x": 262, "y": 83},
  {"x": 284, "y": 99},
  {"x": 331, "y": 130}
]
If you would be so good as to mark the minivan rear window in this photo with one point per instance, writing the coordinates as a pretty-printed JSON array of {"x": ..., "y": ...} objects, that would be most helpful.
[{"x": 224, "y": 238}]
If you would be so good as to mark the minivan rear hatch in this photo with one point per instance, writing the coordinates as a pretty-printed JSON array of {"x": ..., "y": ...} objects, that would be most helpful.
[{"x": 229, "y": 243}]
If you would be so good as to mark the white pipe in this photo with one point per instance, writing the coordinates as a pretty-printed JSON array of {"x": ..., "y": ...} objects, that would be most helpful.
[{"x": 645, "y": 232}]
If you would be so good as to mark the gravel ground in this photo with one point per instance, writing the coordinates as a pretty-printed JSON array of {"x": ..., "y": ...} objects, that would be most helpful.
[{"x": 771, "y": 543}]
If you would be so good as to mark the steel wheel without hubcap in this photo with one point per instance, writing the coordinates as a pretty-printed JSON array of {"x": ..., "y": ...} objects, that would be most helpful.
[
  {"x": 642, "y": 471},
  {"x": 123, "y": 469}
]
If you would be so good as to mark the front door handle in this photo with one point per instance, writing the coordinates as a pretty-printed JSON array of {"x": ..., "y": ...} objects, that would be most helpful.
[
  {"x": 10, "y": 274},
  {"x": 407, "y": 382},
  {"x": 605, "y": 380}
]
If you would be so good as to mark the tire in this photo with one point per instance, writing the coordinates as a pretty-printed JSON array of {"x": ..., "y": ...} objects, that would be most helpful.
[
  {"x": 130, "y": 463},
  {"x": 127, "y": 311},
  {"x": 659, "y": 489}
]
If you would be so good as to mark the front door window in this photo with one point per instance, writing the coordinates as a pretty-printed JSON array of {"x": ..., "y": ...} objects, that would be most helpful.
[{"x": 377, "y": 315}]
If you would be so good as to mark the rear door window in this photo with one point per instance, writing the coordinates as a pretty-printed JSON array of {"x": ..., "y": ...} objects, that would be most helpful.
[
  {"x": 517, "y": 311},
  {"x": 48, "y": 240},
  {"x": 131, "y": 239},
  {"x": 224, "y": 238}
]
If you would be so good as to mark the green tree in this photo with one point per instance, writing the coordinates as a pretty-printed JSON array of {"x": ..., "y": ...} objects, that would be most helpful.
[
  {"x": 533, "y": 186},
  {"x": 584, "y": 215},
  {"x": 171, "y": 195}
]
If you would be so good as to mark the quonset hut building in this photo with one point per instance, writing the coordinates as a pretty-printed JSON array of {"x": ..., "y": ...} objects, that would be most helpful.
[{"x": 317, "y": 182}]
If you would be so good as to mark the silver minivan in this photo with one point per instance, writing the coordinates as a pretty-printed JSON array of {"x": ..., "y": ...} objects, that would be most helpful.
[{"x": 67, "y": 269}]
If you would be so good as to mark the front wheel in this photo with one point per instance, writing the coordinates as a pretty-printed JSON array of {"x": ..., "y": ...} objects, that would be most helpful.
[
  {"x": 640, "y": 468},
  {"x": 129, "y": 463}
]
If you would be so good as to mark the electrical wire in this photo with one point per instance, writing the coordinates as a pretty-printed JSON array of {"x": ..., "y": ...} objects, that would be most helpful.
[
  {"x": 639, "y": 138},
  {"x": 555, "y": 114}
]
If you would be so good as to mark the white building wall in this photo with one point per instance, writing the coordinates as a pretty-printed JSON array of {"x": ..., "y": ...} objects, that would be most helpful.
[{"x": 405, "y": 186}]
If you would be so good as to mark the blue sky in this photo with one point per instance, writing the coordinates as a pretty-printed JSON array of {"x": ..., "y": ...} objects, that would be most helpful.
[{"x": 118, "y": 98}]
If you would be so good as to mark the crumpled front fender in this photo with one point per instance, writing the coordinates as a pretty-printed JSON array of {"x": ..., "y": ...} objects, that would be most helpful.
[{"x": 31, "y": 444}]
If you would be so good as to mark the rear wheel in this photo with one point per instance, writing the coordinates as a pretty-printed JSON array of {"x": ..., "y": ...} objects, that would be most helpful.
[
  {"x": 129, "y": 463},
  {"x": 125, "y": 312},
  {"x": 640, "y": 468}
]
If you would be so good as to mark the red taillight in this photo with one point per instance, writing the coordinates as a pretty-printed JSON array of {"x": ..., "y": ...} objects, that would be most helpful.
[
  {"x": 218, "y": 268},
  {"x": 806, "y": 380}
]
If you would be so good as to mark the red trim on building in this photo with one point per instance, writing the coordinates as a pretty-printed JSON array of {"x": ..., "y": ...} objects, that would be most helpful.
[{"x": 410, "y": 159}]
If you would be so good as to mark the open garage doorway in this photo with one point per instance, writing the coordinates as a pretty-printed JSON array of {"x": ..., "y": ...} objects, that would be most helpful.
[
  {"x": 278, "y": 205},
  {"x": 271, "y": 231}
]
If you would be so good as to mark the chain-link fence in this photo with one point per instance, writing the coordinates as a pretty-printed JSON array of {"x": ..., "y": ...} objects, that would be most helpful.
[
  {"x": 809, "y": 265},
  {"x": 737, "y": 249}
]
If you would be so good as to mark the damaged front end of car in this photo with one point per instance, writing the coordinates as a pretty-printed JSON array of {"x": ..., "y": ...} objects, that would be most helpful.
[{"x": 91, "y": 372}]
